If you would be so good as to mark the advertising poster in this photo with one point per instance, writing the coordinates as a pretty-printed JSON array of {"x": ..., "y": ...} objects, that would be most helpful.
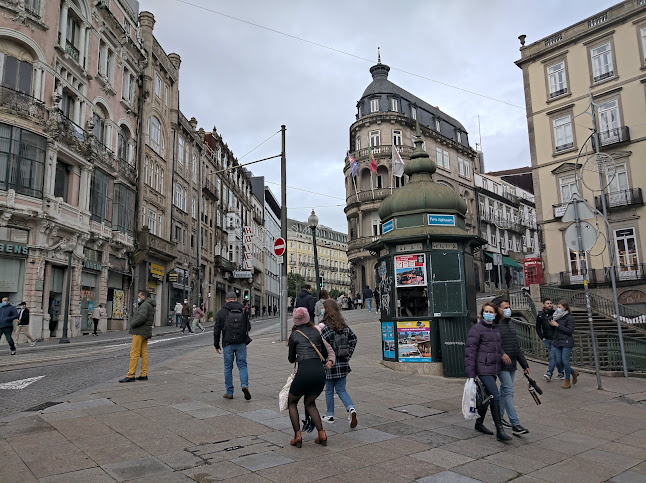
[
  {"x": 410, "y": 270},
  {"x": 414, "y": 341},
  {"x": 388, "y": 339},
  {"x": 117, "y": 304}
]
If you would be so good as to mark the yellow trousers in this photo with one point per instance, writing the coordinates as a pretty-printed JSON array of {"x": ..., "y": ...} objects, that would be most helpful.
[{"x": 139, "y": 348}]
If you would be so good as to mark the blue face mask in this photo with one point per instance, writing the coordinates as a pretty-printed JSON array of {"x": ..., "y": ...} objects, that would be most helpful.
[
  {"x": 139, "y": 299},
  {"x": 559, "y": 310},
  {"x": 507, "y": 312},
  {"x": 489, "y": 317},
  {"x": 3, "y": 304},
  {"x": 322, "y": 311}
]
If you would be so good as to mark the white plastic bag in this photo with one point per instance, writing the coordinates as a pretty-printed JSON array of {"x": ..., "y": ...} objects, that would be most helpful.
[
  {"x": 469, "y": 400},
  {"x": 284, "y": 392}
]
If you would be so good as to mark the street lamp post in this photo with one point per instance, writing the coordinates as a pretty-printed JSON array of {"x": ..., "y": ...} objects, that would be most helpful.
[
  {"x": 69, "y": 248},
  {"x": 313, "y": 222}
]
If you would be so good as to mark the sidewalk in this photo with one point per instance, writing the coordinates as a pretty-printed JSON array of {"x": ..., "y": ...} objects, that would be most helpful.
[{"x": 177, "y": 427}]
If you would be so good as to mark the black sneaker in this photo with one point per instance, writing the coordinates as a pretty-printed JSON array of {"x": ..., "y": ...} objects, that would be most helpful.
[
  {"x": 518, "y": 430},
  {"x": 142, "y": 378},
  {"x": 505, "y": 423},
  {"x": 127, "y": 379},
  {"x": 13, "y": 353},
  {"x": 245, "y": 391},
  {"x": 547, "y": 376}
]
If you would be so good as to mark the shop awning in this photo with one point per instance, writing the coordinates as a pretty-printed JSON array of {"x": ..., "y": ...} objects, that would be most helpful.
[{"x": 508, "y": 262}]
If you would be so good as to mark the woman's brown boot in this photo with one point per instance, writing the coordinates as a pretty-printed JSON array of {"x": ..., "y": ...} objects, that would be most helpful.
[
  {"x": 566, "y": 384},
  {"x": 297, "y": 440},
  {"x": 321, "y": 438},
  {"x": 575, "y": 374}
]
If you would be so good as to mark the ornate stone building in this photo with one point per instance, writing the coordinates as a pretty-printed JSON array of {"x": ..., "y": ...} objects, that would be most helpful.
[
  {"x": 386, "y": 117},
  {"x": 67, "y": 159}
]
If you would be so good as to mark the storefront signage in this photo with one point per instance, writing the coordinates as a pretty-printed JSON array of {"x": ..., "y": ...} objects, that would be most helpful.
[
  {"x": 173, "y": 276},
  {"x": 156, "y": 271},
  {"x": 118, "y": 302},
  {"x": 219, "y": 286},
  {"x": 92, "y": 265},
  {"x": 444, "y": 246},
  {"x": 410, "y": 247},
  {"x": 441, "y": 220},
  {"x": 388, "y": 226},
  {"x": 152, "y": 287},
  {"x": 13, "y": 249},
  {"x": 388, "y": 339},
  {"x": 8, "y": 285},
  {"x": 414, "y": 341},
  {"x": 242, "y": 274},
  {"x": 410, "y": 270}
]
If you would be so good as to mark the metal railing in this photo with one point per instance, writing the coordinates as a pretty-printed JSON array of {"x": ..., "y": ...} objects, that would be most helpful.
[
  {"x": 614, "y": 135},
  {"x": 621, "y": 198},
  {"x": 599, "y": 304},
  {"x": 521, "y": 300},
  {"x": 382, "y": 150},
  {"x": 22, "y": 103}
]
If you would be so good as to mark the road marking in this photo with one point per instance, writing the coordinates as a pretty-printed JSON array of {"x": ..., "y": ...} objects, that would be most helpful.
[{"x": 20, "y": 384}]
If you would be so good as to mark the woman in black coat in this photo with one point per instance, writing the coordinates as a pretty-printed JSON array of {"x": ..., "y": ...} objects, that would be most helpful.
[
  {"x": 563, "y": 341},
  {"x": 484, "y": 358}
]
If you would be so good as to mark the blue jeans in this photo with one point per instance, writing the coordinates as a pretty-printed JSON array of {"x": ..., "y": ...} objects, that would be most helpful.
[
  {"x": 369, "y": 302},
  {"x": 562, "y": 355},
  {"x": 507, "y": 396},
  {"x": 240, "y": 353},
  {"x": 337, "y": 385},
  {"x": 490, "y": 385},
  {"x": 552, "y": 359},
  {"x": 178, "y": 320}
]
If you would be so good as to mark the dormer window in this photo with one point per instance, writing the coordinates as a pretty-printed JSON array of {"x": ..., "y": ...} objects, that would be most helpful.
[
  {"x": 437, "y": 124},
  {"x": 374, "y": 105},
  {"x": 413, "y": 112},
  {"x": 459, "y": 136},
  {"x": 394, "y": 105}
]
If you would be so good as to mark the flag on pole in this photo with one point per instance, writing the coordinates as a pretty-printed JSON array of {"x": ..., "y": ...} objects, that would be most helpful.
[
  {"x": 373, "y": 163},
  {"x": 353, "y": 165},
  {"x": 398, "y": 164}
]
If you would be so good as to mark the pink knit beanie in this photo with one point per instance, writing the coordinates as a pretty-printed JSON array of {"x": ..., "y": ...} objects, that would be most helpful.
[{"x": 301, "y": 316}]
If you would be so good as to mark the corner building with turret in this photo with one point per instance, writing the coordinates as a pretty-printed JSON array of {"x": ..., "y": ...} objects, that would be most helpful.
[{"x": 385, "y": 120}]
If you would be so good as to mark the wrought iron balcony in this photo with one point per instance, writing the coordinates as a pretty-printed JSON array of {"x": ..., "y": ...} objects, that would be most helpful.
[
  {"x": 613, "y": 136},
  {"x": 22, "y": 104},
  {"x": 224, "y": 264},
  {"x": 72, "y": 51},
  {"x": 209, "y": 187},
  {"x": 148, "y": 241},
  {"x": 383, "y": 150},
  {"x": 619, "y": 199}
]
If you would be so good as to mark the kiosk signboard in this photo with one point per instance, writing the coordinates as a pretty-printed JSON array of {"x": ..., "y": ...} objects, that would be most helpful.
[
  {"x": 410, "y": 270},
  {"x": 414, "y": 341},
  {"x": 388, "y": 340}
]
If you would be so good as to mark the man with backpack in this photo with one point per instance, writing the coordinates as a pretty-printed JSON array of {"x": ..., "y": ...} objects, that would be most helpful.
[{"x": 234, "y": 325}]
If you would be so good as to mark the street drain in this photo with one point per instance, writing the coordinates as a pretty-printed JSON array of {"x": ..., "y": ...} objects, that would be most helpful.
[{"x": 42, "y": 406}]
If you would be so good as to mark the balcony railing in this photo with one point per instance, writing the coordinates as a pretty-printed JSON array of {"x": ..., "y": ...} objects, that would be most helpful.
[
  {"x": 360, "y": 243},
  {"x": 152, "y": 242},
  {"x": 127, "y": 171},
  {"x": 382, "y": 150},
  {"x": 618, "y": 199},
  {"x": 224, "y": 264},
  {"x": 368, "y": 195},
  {"x": 22, "y": 104},
  {"x": 210, "y": 187},
  {"x": 576, "y": 277},
  {"x": 613, "y": 136},
  {"x": 72, "y": 51}
]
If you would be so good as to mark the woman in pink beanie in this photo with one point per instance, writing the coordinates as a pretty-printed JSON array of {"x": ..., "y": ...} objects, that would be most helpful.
[{"x": 306, "y": 347}]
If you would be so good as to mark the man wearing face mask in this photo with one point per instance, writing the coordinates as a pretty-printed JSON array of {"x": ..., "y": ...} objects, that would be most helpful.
[
  {"x": 8, "y": 314},
  {"x": 141, "y": 328},
  {"x": 511, "y": 347},
  {"x": 546, "y": 333}
]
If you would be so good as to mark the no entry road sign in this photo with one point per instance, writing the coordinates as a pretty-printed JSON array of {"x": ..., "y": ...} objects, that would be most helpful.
[{"x": 279, "y": 247}]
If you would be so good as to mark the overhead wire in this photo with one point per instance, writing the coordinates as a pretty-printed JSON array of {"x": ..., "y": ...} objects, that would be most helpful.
[
  {"x": 343, "y": 52},
  {"x": 307, "y": 191}
]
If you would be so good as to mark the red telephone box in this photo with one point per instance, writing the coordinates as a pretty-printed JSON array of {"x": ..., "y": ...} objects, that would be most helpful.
[{"x": 534, "y": 273}]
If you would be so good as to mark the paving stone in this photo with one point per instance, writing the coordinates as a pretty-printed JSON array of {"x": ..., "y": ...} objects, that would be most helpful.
[
  {"x": 448, "y": 477},
  {"x": 95, "y": 475},
  {"x": 576, "y": 470},
  {"x": 618, "y": 461},
  {"x": 476, "y": 448},
  {"x": 261, "y": 461},
  {"x": 409, "y": 468},
  {"x": 279, "y": 423},
  {"x": 398, "y": 428},
  {"x": 432, "y": 438},
  {"x": 260, "y": 415},
  {"x": 24, "y": 426},
  {"x": 515, "y": 462},
  {"x": 457, "y": 432},
  {"x": 191, "y": 406},
  {"x": 628, "y": 477},
  {"x": 370, "y": 435},
  {"x": 417, "y": 410},
  {"x": 129, "y": 470},
  {"x": 486, "y": 471},
  {"x": 443, "y": 458},
  {"x": 206, "y": 413},
  {"x": 362, "y": 475},
  {"x": 220, "y": 471},
  {"x": 179, "y": 460},
  {"x": 93, "y": 403}
]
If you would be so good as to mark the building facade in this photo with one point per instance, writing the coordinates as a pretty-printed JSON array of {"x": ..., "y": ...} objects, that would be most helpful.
[
  {"x": 507, "y": 217},
  {"x": 68, "y": 180},
  {"x": 385, "y": 120},
  {"x": 331, "y": 248},
  {"x": 601, "y": 58}
]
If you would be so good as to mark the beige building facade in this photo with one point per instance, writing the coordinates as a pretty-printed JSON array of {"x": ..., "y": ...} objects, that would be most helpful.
[{"x": 604, "y": 55}]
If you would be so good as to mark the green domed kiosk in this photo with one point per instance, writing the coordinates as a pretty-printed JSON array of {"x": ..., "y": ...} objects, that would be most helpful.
[{"x": 425, "y": 273}]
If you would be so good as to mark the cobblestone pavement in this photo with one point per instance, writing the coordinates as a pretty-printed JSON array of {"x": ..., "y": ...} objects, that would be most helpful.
[{"x": 177, "y": 427}]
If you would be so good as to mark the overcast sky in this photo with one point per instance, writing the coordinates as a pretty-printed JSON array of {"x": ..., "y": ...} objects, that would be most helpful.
[{"x": 247, "y": 80}]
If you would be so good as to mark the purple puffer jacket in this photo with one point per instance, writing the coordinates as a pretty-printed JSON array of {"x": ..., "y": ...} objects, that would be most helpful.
[{"x": 483, "y": 352}]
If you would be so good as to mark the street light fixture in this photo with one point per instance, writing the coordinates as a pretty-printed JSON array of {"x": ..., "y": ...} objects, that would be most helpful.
[
  {"x": 70, "y": 246},
  {"x": 313, "y": 222}
]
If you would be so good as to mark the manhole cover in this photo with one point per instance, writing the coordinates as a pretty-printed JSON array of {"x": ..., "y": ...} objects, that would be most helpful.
[{"x": 42, "y": 406}]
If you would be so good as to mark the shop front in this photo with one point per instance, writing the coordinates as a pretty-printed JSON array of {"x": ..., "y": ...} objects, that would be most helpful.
[
  {"x": 90, "y": 283},
  {"x": 118, "y": 294},
  {"x": 179, "y": 286},
  {"x": 156, "y": 273},
  {"x": 13, "y": 254}
]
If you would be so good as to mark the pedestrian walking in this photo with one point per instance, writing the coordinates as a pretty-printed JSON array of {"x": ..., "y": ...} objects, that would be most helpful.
[
  {"x": 483, "y": 358},
  {"x": 198, "y": 314},
  {"x": 307, "y": 300},
  {"x": 511, "y": 347},
  {"x": 375, "y": 296},
  {"x": 318, "y": 308},
  {"x": 178, "y": 314},
  {"x": 545, "y": 332},
  {"x": 186, "y": 314},
  {"x": 141, "y": 328},
  {"x": 264, "y": 311},
  {"x": 508, "y": 279},
  {"x": 23, "y": 325},
  {"x": 97, "y": 313},
  {"x": 234, "y": 326},
  {"x": 275, "y": 310},
  {"x": 8, "y": 314},
  {"x": 367, "y": 295},
  {"x": 253, "y": 311},
  {"x": 343, "y": 341},
  {"x": 306, "y": 347},
  {"x": 563, "y": 342}
]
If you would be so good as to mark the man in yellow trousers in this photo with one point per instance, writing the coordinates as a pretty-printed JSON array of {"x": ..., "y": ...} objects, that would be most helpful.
[{"x": 141, "y": 328}]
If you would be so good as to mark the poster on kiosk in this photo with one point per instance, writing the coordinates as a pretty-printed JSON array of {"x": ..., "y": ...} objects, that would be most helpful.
[
  {"x": 410, "y": 270},
  {"x": 414, "y": 341}
]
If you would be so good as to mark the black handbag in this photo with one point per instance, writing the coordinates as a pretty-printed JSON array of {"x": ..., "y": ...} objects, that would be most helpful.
[{"x": 482, "y": 397}]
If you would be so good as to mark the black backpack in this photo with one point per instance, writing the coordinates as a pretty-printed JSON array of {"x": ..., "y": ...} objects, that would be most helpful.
[
  {"x": 341, "y": 344},
  {"x": 234, "y": 327}
]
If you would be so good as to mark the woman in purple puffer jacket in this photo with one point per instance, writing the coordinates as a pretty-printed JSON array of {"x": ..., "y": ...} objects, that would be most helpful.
[{"x": 483, "y": 358}]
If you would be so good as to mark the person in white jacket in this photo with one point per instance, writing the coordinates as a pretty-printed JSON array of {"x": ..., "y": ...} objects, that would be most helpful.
[{"x": 178, "y": 314}]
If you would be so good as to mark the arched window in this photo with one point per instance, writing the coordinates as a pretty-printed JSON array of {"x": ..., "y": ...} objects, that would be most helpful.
[
  {"x": 16, "y": 73},
  {"x": 146, "y": 169},
  {"x": 123, "y": 136},
  {"x": 194, "y": 167},
  {"x": 99, "y": 125},
  {"x": 155, "y": 134},
  {"x": 156, "y": 176}
]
